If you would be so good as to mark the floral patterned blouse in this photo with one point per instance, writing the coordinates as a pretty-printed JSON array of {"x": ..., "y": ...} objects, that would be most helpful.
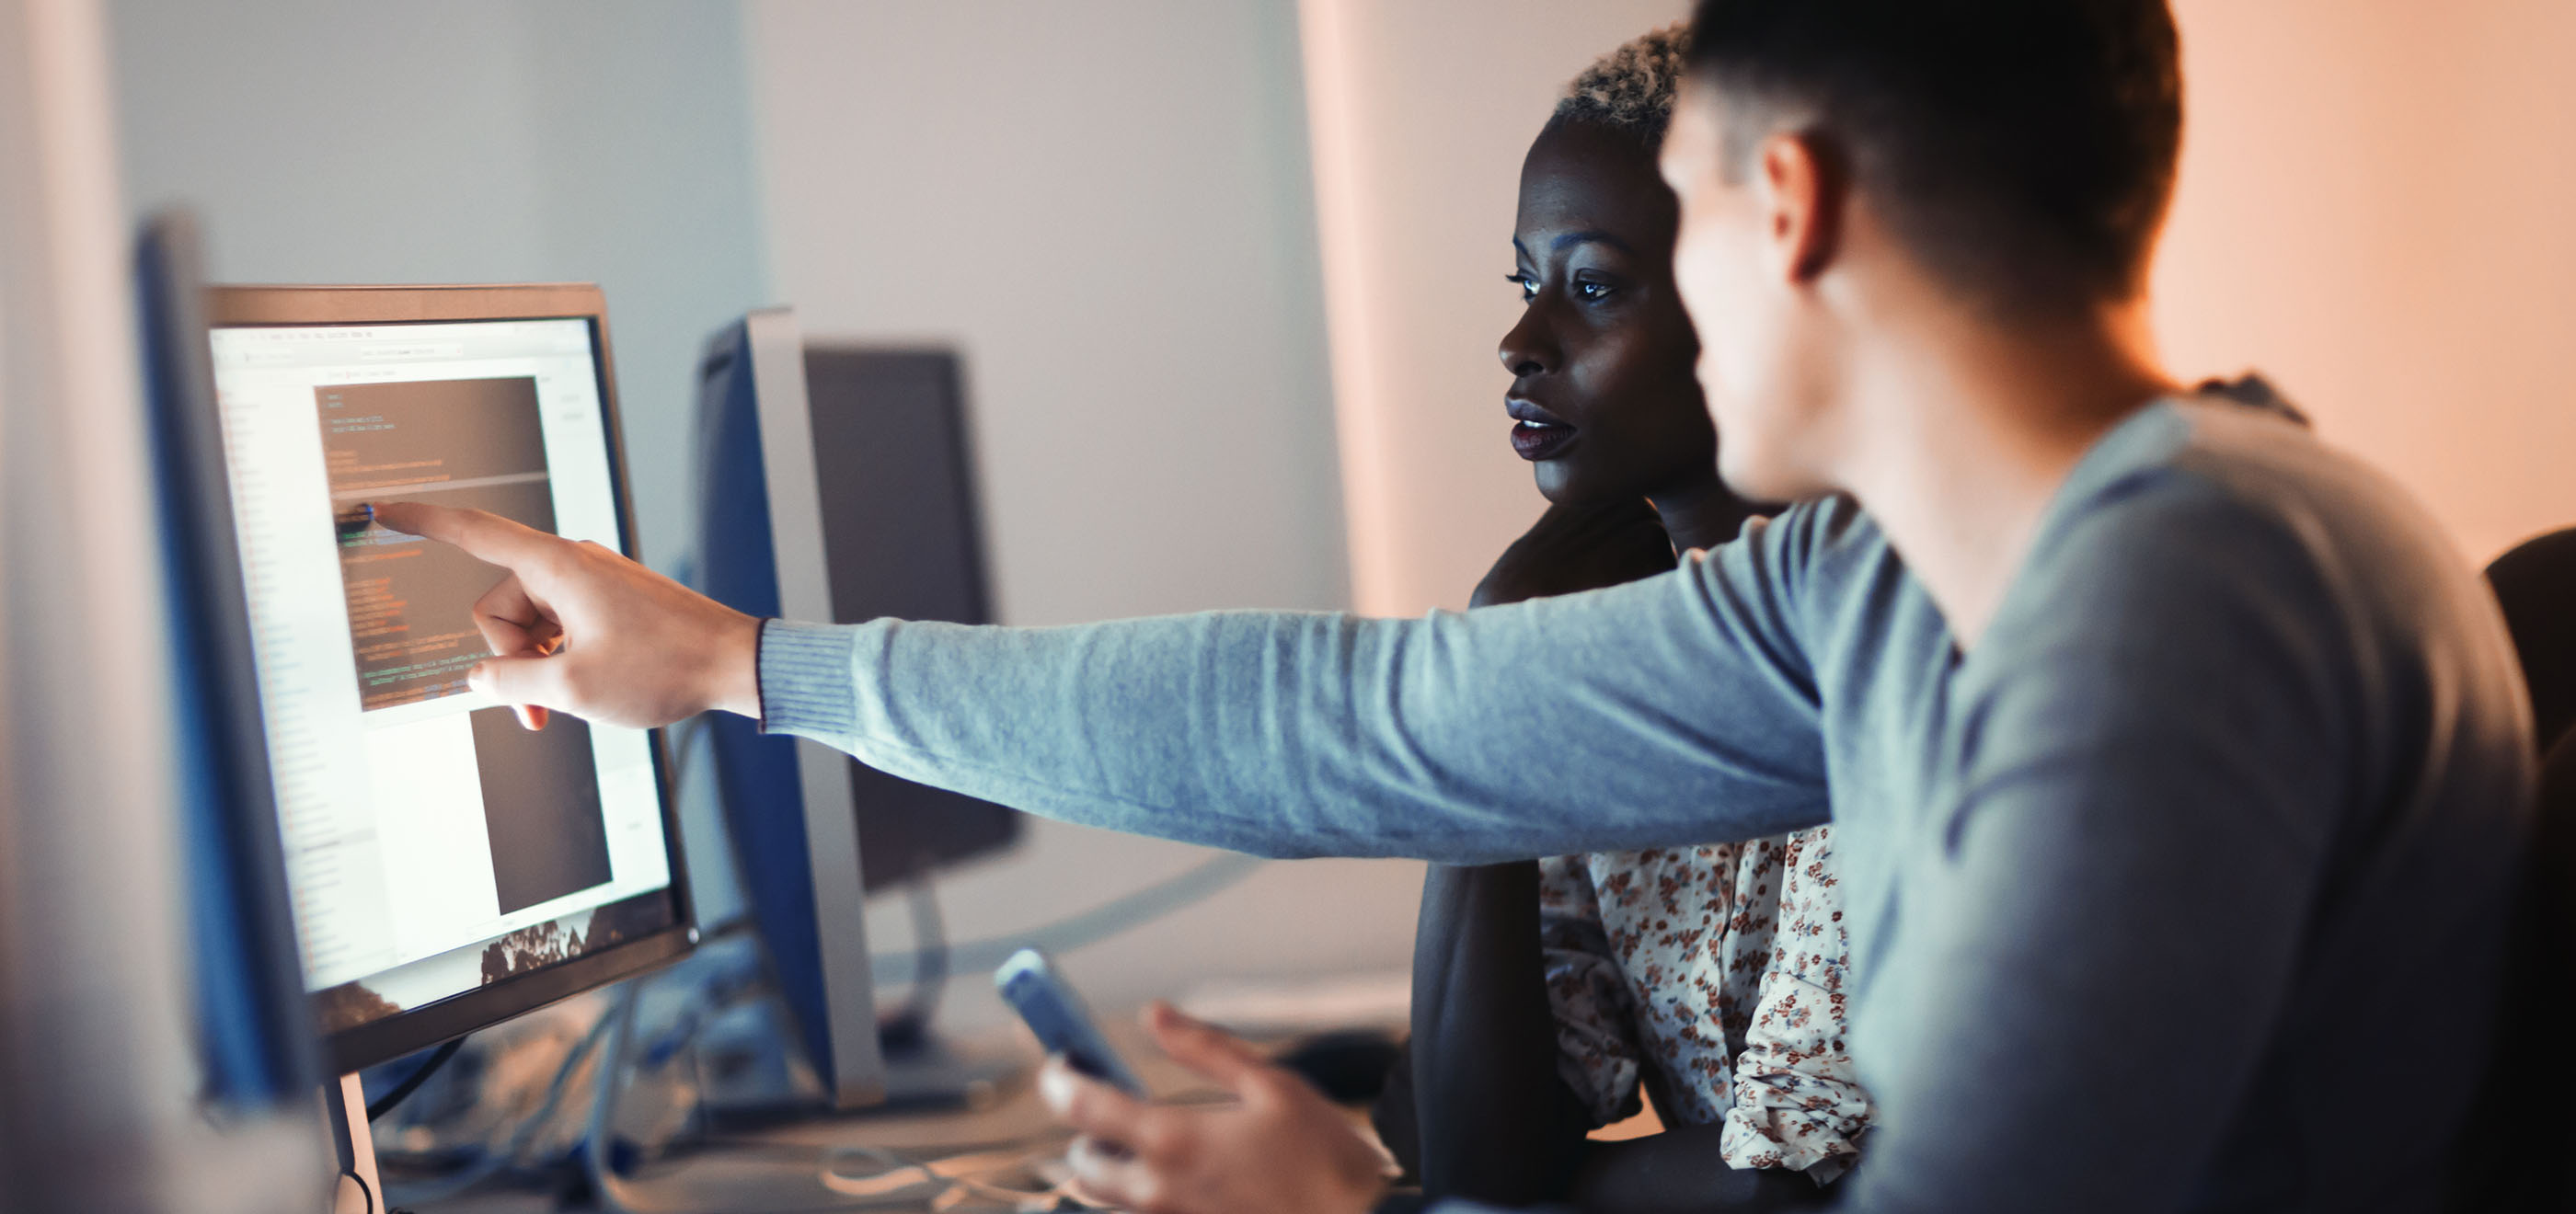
[{"x": 1715, "y": 977}]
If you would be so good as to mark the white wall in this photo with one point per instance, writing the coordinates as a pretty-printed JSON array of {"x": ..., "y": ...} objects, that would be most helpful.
[
  {"x": 470, "y": 141},
  {"x": 1106, "y": 206},
  {"x": 2378, "y": 209}
]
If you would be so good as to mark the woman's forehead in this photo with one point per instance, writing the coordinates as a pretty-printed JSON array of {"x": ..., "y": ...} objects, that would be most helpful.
[{"x": 1580, "y": 178}]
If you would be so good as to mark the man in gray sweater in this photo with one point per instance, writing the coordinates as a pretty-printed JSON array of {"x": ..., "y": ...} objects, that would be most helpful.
[{"x": 2178, "y": 765}]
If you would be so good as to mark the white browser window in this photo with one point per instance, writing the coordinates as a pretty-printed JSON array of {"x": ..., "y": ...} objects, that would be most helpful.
[{"x": 419, "y": 820}]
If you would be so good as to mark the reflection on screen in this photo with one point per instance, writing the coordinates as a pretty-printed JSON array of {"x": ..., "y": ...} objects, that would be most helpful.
[{"x": 432, "y": 844}]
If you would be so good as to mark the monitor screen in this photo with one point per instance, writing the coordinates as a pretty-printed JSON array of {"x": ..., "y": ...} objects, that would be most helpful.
[{"x": 433, "y": 846}]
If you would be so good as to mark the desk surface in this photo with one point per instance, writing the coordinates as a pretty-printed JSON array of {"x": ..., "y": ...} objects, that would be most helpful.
[{"x": 1003, "y": 1145}]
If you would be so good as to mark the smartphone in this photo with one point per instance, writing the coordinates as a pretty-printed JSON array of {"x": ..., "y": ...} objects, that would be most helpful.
[{"x": 1031, "y": 985}]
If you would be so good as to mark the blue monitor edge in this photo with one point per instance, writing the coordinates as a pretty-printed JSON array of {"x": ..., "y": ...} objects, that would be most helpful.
[
  {"x": 255, "y": 1026},
  {"x": 787, "y": 804}
]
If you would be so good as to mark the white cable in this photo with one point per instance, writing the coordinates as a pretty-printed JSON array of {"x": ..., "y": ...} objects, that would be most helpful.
[
  {"x": 1121, "y": 914},
  {"x": 616, "y": 1195}
]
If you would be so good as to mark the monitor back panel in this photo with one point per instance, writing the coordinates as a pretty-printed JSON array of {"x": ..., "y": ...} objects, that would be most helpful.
[{"x": 903, "y": 529}]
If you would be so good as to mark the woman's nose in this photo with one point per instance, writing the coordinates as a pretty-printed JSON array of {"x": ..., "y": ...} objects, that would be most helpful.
[{"x": 1526, "y": 349}]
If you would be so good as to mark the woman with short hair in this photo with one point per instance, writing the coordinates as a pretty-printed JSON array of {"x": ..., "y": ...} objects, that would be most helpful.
[{"x": 1548, "y": 993}]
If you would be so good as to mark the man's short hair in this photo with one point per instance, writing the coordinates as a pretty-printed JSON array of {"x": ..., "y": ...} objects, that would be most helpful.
[{"x": 2024, "y": 149}]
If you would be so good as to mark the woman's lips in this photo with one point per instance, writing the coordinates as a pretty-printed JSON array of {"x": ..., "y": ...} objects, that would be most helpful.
[{"x": 1536, "y": 441}]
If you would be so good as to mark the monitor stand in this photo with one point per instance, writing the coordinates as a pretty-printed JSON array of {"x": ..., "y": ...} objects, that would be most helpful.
[
  {"x": 922, "y": 1075},
  {"x": 755, "y": 1182},
  {"x": 344, "y": 1106}
]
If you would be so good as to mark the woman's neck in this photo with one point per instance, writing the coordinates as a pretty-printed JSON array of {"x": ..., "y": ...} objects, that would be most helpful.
[{"x": 1701, "y": 513}]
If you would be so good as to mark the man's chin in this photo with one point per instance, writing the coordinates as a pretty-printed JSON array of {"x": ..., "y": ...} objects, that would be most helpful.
[{"x": 1761, "y": 480}]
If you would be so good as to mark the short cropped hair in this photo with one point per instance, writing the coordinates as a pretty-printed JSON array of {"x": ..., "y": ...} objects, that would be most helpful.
[
  {"x": 2023, "y": 148},
  {"x": 1630, "y": 90}
]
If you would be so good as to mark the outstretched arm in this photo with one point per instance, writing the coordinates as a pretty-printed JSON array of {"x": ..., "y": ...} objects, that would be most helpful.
[{"x": 1676, "y": 709}]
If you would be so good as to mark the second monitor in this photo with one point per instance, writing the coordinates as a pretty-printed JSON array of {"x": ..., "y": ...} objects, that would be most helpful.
[
  {"x": 835, "y": 485},
  {"x": 902, "y": 537}
]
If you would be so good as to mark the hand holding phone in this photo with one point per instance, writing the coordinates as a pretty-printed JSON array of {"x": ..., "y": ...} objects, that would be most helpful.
[{"x": 1030, "y": 983}]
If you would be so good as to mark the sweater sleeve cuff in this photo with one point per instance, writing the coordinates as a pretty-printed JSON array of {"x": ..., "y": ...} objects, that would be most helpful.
[{"x": 805, "y": 680}]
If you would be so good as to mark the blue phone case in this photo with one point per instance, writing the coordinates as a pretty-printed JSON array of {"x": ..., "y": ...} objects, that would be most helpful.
[{"x": 1030, "y": 984}]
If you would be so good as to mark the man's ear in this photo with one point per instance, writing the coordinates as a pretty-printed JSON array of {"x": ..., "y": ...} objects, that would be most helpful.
[{"x": 1804, "y": 189}]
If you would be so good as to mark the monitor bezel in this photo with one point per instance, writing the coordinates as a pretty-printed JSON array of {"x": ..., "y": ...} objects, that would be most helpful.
[{"x": 240, "y": 307}]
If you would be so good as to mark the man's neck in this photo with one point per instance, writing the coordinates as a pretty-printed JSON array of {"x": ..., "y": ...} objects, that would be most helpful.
[{"x": 1964, "y": 431}]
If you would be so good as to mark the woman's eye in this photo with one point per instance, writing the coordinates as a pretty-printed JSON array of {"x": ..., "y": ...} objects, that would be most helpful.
[
  {"x": 1527, "y": 284},
  {"x": 1594, "y": 291}
]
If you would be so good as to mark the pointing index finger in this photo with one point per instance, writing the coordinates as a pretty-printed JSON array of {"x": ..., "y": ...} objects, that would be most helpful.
[{"x": 485, "y": 537}]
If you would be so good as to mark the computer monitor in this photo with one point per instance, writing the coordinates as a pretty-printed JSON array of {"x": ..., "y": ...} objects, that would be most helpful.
[
  {"x": 255, "y": 1027},
  {"x": 787, "y": 802},
  {"x": 258, "y": 1059},
  {"x": 837, "y": 484},
  {"x": 903, "y": 537},
  {"x": 446, "y": 869}
]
